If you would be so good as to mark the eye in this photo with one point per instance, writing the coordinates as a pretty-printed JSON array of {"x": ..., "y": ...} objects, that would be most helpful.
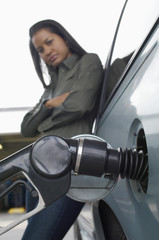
[
  {"x": 40, "y": 50},
  {"x": 49, "y": 42}
]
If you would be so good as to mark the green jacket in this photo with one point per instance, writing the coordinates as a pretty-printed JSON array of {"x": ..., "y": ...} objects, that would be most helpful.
[{"x": 80, "y": 76}]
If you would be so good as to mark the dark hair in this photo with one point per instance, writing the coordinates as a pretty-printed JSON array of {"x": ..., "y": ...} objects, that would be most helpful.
[{"x": 56, "y": 28}]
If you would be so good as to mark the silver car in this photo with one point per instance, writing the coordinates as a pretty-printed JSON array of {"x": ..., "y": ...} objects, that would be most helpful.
[{"x": 129, "y": 117}]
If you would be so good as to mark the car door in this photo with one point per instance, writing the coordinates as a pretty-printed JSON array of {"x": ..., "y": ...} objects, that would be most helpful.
[{"x": 129, "y": 117}]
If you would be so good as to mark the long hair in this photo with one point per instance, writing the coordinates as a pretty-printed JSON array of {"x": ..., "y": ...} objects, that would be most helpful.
[{"x": 58, "y": 29}]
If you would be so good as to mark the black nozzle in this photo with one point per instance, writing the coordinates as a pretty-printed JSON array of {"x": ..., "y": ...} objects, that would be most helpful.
[
  {"x": 96, "y": 159},
  {"x": 127, "y": 163}
]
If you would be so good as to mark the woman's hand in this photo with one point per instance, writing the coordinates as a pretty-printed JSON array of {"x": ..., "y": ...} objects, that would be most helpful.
[{"x": 56, "y": 101}]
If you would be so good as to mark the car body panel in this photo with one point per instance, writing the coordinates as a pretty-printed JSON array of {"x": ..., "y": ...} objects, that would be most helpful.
[{"x": 134, "y": 106}]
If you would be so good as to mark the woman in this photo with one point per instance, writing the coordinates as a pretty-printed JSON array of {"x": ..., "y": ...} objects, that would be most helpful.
[{"x": 67, "y": 108}]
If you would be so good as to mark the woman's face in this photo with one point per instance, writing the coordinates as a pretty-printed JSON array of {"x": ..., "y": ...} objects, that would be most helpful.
[{"x": 52, "y": 48}]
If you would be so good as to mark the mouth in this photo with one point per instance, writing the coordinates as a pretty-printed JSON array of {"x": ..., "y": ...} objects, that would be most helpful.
[{"x": 53, "y": 58}]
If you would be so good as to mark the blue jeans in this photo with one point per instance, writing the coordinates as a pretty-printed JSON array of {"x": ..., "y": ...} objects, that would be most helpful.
[{"x": 53, "y": 222}]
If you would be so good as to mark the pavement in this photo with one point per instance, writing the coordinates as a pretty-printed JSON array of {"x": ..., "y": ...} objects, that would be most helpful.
[{"x": 17, "y": 232}]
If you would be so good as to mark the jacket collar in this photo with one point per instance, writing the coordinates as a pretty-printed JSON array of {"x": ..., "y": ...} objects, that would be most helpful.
[
  {"x": 71, "y": 61},
  {"x": 68, "y": 63}
]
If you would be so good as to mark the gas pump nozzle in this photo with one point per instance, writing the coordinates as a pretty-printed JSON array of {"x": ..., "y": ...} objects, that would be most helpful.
[{"x": 47, "y": 164}]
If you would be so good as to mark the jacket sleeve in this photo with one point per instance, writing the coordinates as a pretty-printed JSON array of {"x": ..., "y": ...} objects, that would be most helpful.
[
  {"x": 83, "y": 96},
  {"x": 34, "y": 117}
]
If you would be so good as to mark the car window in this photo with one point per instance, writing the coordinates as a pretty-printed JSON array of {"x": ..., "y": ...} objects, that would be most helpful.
[{"x": 137, "y": 20}]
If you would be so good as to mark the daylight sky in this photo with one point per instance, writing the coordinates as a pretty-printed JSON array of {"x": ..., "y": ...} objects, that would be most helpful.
[{"x": 92, "y": 23}]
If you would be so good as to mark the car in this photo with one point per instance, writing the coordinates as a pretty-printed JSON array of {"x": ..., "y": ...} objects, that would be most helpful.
[{"x": 128, "y": 116}]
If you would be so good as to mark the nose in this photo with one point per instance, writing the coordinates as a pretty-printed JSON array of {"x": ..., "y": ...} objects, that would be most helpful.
[{"x": 47, "y": 51}]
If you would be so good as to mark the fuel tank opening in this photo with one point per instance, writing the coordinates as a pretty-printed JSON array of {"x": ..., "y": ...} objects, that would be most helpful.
[{"x": 141, "y": 145}]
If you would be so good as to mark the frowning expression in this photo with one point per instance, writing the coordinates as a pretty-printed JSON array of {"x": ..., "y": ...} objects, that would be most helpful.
[{"x": 52, "y": 48}]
